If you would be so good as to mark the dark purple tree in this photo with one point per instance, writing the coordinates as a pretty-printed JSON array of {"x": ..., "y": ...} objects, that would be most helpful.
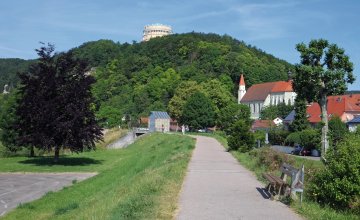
[{"x": 55, "y": 109}]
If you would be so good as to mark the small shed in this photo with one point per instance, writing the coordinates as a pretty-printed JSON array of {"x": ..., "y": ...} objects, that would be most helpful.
[
  {"x": 354, "y": 124},
  {"x": 159, "y": 121}
]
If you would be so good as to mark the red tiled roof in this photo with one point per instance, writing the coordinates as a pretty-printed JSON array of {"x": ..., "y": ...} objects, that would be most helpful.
[
  {"x": 259, "y": 92},
  {"x": 337, "y": 105},
  {"x": 282, "y": 86},
  {"x": 242, "y": 81},
  {"x": 262, "y": 124}
]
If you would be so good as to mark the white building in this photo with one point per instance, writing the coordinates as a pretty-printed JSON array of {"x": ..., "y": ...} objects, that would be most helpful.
[
  {"x": 156, "y": 30},
  {"x": 261, "y": 95},
  {"x": 278, "y": 121}
]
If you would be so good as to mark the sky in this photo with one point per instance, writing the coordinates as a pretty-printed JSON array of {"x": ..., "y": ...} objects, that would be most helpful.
[{"x": 274, "y": 26}]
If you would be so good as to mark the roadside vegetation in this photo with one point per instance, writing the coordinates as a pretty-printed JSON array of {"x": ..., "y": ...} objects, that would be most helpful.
[
  {"x": 265, "y": 159},
  {"x": 140, "y": 182},
  {"x": 111, "y": 135}
]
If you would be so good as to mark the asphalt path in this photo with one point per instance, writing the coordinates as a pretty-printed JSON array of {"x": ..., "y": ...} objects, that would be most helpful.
[
  {"x": 123, "y": 141},
  {"x": 218, "y": 187},
  {"x": 16, "y": 188}
]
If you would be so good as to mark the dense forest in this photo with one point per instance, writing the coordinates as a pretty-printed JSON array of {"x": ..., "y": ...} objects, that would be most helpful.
[
  {"x": 9, "y": 68},
  {"x": 161, "y": 74}
]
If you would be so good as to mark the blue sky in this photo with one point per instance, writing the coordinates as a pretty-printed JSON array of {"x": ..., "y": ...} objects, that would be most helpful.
[{"x": 273, "y": 26}]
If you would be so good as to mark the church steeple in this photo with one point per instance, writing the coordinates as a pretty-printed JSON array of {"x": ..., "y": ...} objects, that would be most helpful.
[{"x": 242, "y": 90}]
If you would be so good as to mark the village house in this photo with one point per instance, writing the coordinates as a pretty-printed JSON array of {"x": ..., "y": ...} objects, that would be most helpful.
[
  {"x": 261, "y": 95},
  {"x": 159, "y": 121},
  {"x": 346, "y": 107},
  {"x": 353, "y": 124}
]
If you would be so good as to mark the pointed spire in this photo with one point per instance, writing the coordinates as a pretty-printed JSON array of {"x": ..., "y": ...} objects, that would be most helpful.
[{"x": 242, "y": 81}]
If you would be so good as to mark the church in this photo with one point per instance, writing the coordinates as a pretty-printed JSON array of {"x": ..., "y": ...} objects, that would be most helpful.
[{"x": 261, "y": 95}]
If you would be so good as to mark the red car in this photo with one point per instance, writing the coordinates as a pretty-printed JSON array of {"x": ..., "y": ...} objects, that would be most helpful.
[{"x": 301, "y": 151}]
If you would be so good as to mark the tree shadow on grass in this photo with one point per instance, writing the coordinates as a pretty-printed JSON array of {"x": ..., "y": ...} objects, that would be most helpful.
[{"x": 63, "y": 161}]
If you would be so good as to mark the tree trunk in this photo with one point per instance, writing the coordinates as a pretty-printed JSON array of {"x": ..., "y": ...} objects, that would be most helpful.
[
  {"x": 325, "y": 128},
  {"x": 32, "y": 153},
  {"x": 56, "y": 157}
]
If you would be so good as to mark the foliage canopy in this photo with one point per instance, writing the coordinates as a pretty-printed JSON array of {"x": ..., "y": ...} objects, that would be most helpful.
[
  {"x": 54, "y": 108},
  {"x": 324, "y": 70}
]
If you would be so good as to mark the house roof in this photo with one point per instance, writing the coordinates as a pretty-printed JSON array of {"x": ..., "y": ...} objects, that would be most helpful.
[
  {"x": 259, "y": 92},
  {"x": 337, "y": 105},
  {"x": 158, "y": 114},
  {"x": 290, "y": 117},
  {"x": 355, "y": 121},
  {"x": 282, "y": 86},
  {"x": 258, "y": 124}
]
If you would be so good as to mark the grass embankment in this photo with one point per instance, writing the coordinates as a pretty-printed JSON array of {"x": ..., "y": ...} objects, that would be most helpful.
[
  {"x": 92, "y": 161},
  {"x": 308, "y": 209},
  {"x": 110, "y": 136},
  {"x": 140, "y": 182}
]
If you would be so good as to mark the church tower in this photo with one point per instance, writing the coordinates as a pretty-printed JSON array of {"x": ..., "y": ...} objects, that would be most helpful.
[{"x": 242, "y": 90}]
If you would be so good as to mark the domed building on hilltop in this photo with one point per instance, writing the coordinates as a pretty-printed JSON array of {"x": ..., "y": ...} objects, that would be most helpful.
[{"x": 156, "y": 30}]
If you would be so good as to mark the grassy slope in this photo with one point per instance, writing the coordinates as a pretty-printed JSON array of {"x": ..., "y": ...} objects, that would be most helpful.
[
  {"x": 309, "y": 209},
  {"x": 139, "y": 182}
]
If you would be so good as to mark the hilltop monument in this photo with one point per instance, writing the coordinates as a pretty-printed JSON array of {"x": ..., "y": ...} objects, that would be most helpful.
[{"x": 156, "y": 30}]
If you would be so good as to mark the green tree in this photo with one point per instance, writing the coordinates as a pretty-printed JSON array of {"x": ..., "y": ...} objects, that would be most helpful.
[
  {"x": 55, "y": 105},
  {"x": 324, "y": 70},
  {"x": 338, "y": 184},
  {"x": 273, "y": 111},
  {"x": 8, "y": 134},
  {"x": 218, "y": 94},
  {"x": 337, "y": 130},
  {"x": 183, "y": 92},
  {"x": 240, "y": 137},
  {"x": 109, "y": 116},
  {"x": 300, "y": 122},
  {"x": 198, "y": 112},
  {"x": 232, "y": 113}
]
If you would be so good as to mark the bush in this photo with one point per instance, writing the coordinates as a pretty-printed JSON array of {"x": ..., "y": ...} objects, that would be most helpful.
[
  {"x": 277, "y": 136},
  {"x": 338, "y": 185},
  {"x": 270, "y": 158},
  {"x": 337, "y": 130},
  {"x": 240, "y": 137},
  {"x": 260, "y": 135},
  {"x": 293, "y": 138},
  {"x": 309, "y": 138}
]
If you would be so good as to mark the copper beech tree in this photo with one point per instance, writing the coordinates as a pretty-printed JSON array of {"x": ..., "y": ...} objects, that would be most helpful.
[{"x": 54, "y": 110}]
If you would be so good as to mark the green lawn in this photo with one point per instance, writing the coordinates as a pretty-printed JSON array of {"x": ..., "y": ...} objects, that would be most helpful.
[{"x": 140, "y": 182}]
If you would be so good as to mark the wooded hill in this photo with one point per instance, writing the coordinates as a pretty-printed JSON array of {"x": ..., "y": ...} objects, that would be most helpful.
[
  {"x": 133, "y": 79},
  {"x": 8, "y": 69}
]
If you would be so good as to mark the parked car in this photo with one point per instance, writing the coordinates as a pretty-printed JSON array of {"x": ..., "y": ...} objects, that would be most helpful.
[{"x": 300, "y": 150}]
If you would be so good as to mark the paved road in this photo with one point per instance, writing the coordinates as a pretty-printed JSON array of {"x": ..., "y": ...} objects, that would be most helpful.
[
  {"x": 16, "y": 188},
  {"x": 217, "y": 187},
  {"x": 123, "y": 141},
  {"x": 287, "y": 150}
]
